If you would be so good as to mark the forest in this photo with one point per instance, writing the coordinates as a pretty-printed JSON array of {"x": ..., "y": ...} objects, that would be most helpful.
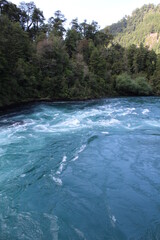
[
  {"x": 42, "y": 60},
  {"x": 143, "y": 26}
]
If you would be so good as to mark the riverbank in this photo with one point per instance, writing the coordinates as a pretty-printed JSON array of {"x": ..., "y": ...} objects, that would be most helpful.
[
  {"x": 36, "y": 100},
  {"x": 29, "y": 102}
]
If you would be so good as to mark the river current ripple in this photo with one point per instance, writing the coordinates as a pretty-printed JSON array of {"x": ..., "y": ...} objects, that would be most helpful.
[{"x": 81, "y": 170}]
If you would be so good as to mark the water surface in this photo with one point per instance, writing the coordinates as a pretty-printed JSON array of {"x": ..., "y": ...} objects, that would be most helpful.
[{"x": 87, "y": 170}]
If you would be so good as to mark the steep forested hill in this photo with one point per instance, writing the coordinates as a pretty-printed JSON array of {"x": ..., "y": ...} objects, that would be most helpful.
[{"x": 143, "y": 26}]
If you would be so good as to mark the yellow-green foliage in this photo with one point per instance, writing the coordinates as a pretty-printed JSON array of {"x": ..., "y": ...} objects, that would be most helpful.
[{"x": 142, "y": 27}]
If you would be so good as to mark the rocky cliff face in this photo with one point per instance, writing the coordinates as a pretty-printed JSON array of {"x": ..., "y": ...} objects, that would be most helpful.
[{"x": 152, "y": 40}]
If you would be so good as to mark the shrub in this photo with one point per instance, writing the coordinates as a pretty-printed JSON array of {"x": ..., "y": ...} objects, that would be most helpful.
[{"x": 139, "y": 86}]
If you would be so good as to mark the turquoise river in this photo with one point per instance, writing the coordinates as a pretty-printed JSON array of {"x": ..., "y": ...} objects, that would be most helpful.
[{"x": 81, "y": 170}]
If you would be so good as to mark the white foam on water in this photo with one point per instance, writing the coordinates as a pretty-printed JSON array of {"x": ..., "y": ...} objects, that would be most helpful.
[
  {"x": 58, "y": 181},
  {"x": 128, "y": 111},
  {"x": 6, "y": 137},
  {"x": 54, "y": 228},
  {"x": 75, "y": 158},
  {"x": 61, "y": 165},
  {"x": 42, "y": 128},
  {"x": 108, "y": 111},
  {"x": 63, "y": 126},
  {"x": 31, "y": 122},
  {"x": 79, "y": 233},
  {"x": 128, "y": 125},
  {"x": 82, "y": 148},
  {"x": 60, "y": 169},
  {"x": 16, "y": 124},
  {"x": 71, "y": 122},
  {"x": 82, "y": 120},
  {"x": 153, "y": 123},
  {"x": 105, "y": 133},
  {"x": 113, "y": 220},
  {"x": 23, "y": 175},
  {"x": 64, "y": 159},
  {"x": 110, "y": 122},
  {"x": 102, "y": 123},
  {"x": 21, "y": 137},
  {"x": 56, "y": 114},
  {"x": 111, "y": 110},
  {"x": 24, "y": 225},
  {"x": 145, "y": 111},
  {"x": 78, "y": 121},
  {"x": 81, "y": 115},
  {"x": 132, "y": 128}
]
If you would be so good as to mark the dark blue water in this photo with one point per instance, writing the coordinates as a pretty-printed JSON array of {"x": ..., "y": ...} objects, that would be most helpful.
[{"x": 73, "y": 171}]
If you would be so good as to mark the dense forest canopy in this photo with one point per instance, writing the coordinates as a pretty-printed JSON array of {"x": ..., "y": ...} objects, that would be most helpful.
[{"x": 41, "y": 59}]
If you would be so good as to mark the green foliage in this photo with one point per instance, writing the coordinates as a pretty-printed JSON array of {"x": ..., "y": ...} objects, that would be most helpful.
[
  {"x": 125, "y": 85},
  {"x": 141, "y": 60},
  {"x": 116, "y": 59},
  {"x": 155, "y": 79},
  {"x": 71, "y": 41},
  {"x": 11, "y": 10},
  {"x": 56, "y": 24},
  {"x": 53, "y": 62},
  {"x": 44, "y": 61},
  {"x": 143, "y": 26},
  {"x": 144, "y": 89},
  {"x": 14, "y": 48},
  {"x": 118, "y": 27},
  {"x": 97, "y": 63}
]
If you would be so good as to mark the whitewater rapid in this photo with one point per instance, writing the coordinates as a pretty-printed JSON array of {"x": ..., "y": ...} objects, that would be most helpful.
[{"x": 81, "y": 170}]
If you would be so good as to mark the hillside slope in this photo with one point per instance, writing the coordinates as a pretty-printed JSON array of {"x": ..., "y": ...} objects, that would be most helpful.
[{"x": 143, "y": 26}]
